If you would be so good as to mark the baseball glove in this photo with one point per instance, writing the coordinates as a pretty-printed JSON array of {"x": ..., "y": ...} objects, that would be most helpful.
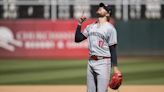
[{"x": 116, "y": 81}]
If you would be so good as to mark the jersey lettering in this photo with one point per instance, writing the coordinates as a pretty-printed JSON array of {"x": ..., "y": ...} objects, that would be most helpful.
[{"x": 97, "y": 34}]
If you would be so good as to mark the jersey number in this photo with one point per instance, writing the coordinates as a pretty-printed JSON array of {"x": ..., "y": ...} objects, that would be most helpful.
[{"x": 101, "y": 43}]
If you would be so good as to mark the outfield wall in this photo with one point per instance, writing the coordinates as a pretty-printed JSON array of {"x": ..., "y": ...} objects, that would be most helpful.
[
  {"x": 141, "y": 37},
  {"x": 55, "y": 39}
]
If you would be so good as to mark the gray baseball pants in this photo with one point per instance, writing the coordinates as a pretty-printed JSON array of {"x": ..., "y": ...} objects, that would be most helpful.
[{"x": 98, "y": 75}]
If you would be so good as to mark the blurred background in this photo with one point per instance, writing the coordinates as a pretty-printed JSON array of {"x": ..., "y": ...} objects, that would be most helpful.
[{"x": 37, "y": 40}]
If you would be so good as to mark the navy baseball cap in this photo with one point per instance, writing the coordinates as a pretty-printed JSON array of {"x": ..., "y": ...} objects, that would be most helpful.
[{"x": 106, "y": 7}]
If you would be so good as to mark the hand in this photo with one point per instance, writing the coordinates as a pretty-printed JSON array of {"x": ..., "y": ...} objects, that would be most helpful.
[
  {"x": 82, "y": 19},
  {"x": 116, "y": 70}
]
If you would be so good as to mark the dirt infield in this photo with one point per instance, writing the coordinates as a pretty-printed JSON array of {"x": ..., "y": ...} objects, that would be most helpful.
[{"x": 78, "y": 88}]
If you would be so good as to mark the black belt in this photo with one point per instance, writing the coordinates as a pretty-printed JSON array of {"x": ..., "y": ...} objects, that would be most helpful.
[{"x": 94, "y": 57}]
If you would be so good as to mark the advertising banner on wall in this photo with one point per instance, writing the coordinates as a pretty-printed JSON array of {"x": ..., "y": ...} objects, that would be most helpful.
[{"x": 41, "y": 39}]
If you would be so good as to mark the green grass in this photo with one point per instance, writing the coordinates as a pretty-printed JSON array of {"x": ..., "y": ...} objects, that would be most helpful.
[{"x": 135, "y": 71}]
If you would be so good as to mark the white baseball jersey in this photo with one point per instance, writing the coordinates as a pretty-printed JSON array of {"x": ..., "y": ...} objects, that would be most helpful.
[{"x": 100, "y": 37}]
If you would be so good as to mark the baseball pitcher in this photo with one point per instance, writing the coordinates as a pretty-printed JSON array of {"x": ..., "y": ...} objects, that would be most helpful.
[{"x": 102, "y": 40}]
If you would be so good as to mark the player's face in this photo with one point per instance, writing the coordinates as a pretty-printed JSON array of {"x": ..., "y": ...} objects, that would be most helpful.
[{"x": 101, "y": 12}]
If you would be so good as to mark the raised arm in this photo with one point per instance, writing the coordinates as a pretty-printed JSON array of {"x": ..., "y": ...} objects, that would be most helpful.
[{"x": 78, "y": 35}]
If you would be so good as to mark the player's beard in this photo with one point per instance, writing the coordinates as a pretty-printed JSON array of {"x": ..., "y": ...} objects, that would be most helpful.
[{"x": 99, "y": 14}]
